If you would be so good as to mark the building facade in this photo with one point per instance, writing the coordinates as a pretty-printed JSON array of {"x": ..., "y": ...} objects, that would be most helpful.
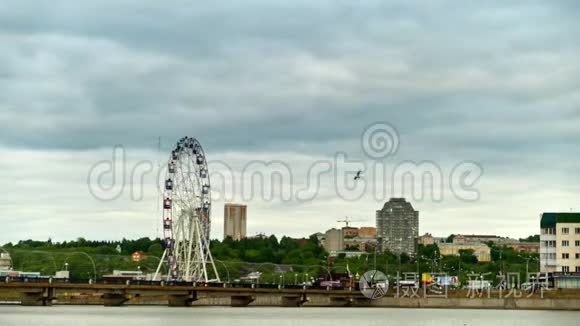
[
  {"x": 333, "y": 240},
  {"x": 428, "y": 239},
  {"x": 349, "y": 238},
  {"x": 560, "y": 242},
  {"x": 470, "y": 238},
  {"x": 397, "y": 226},
  {"x": 349, "y": 232},
  {"x": 480, "y": 250},
  {"x": 529, "y": 247},
  {"x": 5, "y": 261},
  {"x": 235, "y": 221},
  {"x": 367, "y": 232}
]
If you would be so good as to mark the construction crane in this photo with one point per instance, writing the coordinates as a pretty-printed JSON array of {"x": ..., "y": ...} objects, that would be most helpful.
[{"x": 347, "y": 220}]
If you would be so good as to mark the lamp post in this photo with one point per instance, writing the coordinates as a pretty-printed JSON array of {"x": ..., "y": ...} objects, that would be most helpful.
[
  {"x": 418, "y": 258},
  {"x": 328, "y": 266},
  {"x": 350, "y": 281},
  {"x": 501, "y": 259}
]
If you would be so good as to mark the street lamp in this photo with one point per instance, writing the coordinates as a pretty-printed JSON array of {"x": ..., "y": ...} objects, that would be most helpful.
[
  {"x": 296, "y": 279},
  {"x": 418, "y": 258},
  {"x": 350, "y": 281},
  {"x": 66, "y": 266}
]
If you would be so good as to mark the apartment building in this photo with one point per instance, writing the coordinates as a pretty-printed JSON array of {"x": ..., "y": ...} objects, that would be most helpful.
[{"x": 560, "y": 242}]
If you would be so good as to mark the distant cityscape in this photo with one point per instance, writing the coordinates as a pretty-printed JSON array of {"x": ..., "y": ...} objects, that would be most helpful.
[{"x": 397, "y": 226}]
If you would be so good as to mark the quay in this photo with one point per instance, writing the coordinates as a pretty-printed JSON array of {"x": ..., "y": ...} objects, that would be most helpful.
[{"x": 183, "y": 295}]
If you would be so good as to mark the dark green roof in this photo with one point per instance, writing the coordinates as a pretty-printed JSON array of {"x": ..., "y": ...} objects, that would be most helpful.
[{"x": 549, "y": 220}]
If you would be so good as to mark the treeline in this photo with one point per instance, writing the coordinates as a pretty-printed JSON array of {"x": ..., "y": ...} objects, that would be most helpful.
[
  {"x": 303, "y": 251},
  {"x": 531, "y": 238},
  {"x": 127, "y": 247}
]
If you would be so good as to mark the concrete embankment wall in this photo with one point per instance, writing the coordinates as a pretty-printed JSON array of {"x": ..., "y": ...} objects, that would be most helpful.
[
  {"x": 449, "y": 303},
  {"x": 536, "y": 303}
]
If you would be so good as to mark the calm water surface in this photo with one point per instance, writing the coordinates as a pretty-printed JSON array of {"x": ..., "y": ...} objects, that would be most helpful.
[{"x": 165, "y": 316}]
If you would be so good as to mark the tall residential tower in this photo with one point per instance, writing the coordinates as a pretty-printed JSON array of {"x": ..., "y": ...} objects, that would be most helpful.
[
  {"x": 398, "y": 226},
  {"x": 235, "y": 221}
]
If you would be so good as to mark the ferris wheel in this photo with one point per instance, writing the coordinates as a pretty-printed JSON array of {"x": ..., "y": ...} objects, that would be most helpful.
[{"x": 186, "y": 215}]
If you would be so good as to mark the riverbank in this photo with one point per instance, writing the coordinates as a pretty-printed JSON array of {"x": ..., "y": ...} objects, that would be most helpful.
[{"x": 550, "y": 300}]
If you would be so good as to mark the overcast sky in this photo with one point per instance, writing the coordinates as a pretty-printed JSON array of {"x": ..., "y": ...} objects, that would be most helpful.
[{"x": 496, "y": 83}]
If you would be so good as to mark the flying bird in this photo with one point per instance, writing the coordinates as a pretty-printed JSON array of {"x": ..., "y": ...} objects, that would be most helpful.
[{"x": 357, "y": 176}]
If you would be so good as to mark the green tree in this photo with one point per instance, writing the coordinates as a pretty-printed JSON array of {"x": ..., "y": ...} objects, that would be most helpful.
[{"x": 467, "y": 256}]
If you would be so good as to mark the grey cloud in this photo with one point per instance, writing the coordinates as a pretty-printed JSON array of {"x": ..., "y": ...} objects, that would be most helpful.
[
  {"x": 132, "y": 75},
  {"x": 494, "y": 82}
]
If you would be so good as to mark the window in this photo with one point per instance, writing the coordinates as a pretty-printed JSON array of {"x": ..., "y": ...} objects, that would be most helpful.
[
  {"x": 565, "y": 230},
  {"x": 565, "y": 243},
  {"x": 549, "y": 231},
  {"x": 577, "y": 269},
  {"x": 565, "y": 256},
  {"x": 577, "y": 243},
  {"x": 577, "y": 230},
  {"x": 565, "y": 269},
  {"x": 577, "y": 256}
]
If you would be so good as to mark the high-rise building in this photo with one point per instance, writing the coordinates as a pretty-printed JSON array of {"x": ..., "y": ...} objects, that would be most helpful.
[
  {"x": 333, "y": 240},
  {"x": 5, "y": 261},
  {"x": 235, "y": 221},
  {"x": 398, "y": 226},
  {"x": 560, "y": 242}
]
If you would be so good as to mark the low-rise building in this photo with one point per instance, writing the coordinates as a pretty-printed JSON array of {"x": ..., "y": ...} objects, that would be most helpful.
[
  {"x": 359, "y": 243},
  {"x": 480, "y": 250},
  {"x": 367, "y": 232},
  {"x": 350, "y": 238},
  {"x": 528, "y": 247},
  {"x": 427, "y": 239},
  {"x": 471, "y": 238},
  {"x": 349, "y": 232}
]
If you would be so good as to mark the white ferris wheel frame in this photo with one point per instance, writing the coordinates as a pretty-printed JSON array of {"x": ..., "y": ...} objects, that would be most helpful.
[{"x": 186, "y": 217}]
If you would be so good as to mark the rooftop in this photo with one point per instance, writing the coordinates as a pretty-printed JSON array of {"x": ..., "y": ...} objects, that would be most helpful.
[
  {"x": 446, "y": 244},
  {"x": 549, "y": 220}
]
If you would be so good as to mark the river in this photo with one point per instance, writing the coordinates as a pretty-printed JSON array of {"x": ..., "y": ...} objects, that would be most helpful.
[{"x": 257, "y": 316}]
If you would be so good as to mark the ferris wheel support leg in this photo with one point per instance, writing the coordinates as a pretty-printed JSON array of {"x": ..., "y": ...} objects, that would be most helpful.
[
  {"x": 201, "y": 249},
  {"x": 188, "y": 273},
  {"x": 159, "y": 266},
  {"x": 217, "y": 276}
]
